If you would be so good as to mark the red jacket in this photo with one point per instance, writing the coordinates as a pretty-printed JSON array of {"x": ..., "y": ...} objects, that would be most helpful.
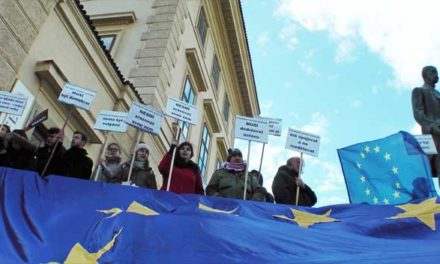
[{"x": 184, "y": 179}]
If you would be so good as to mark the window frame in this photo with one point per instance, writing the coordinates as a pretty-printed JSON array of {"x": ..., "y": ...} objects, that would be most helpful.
[
  {"x": 202, "y": 26},
  {"x": 191, "y": 99},
  {"x": 205, "y": 143},
  {"x": 215, "y": 72},
  {"x": 113, "y": 41}
]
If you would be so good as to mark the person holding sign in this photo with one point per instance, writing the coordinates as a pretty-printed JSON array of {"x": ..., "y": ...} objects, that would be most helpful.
[
  {"x": 42, "y": 155},
  {"x": 186, "y": 176},
  {"x": 426, "y": 111},
  {"x": 75, "y": 163},
  {"x": 19, "y": 150},
  {"x": 228, "y": 181},
  {"x": 110, "y": 165},
  {"x": 142, "y": 174},
  {"x": 285, "y": 184}
]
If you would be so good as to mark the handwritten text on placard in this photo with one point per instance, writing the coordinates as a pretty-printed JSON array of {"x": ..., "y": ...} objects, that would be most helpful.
[
  {"x": 303, "y": 142},
  {"x": 111, "y": 121},
  {"x": 77, "y": 96},
  {"x": 253, "y": 129},
  {"x": 144, "y": 118},
  {"x": 426, "y": 143},
  {"x": 274, "y": 125},
  {"x": 182, "y": 110},
  {"x": 12, "y": 103}
]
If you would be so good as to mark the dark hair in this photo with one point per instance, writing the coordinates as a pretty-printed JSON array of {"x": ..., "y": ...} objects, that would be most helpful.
[
  {"x": 20, "y": 132},
  {"x": 8, "y": 129},
  {"x": 83, "y": 136},
  {"x": 186, "y": 143},
  {"x": 53, "y": 130},
  {"x": 258, "y": 176},
  {"x": 113, "y": 144}
]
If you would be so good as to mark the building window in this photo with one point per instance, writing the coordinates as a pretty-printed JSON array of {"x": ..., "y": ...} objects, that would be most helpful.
[
  {"x": 215, "y": 71},
  {"x": 226, "y": 107},
  {"x": 204, "y": 148},
  {"x": 202, "y": 26},
  {"x": 189, "y": 97},
  {"x": 108, "y": 41}
]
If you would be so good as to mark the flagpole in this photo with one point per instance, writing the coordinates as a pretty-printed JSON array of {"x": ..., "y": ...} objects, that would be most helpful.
[
  {"x": 246, "y": 174},
  {"x": 261, "y": 163},
  {"x": 58, "y": 141},
  {"x": 133, "y": 157},
  {"x": 173, "y": 157},
  {"x": 101, "y": 155},
  {"x": 299, "y": 177}
]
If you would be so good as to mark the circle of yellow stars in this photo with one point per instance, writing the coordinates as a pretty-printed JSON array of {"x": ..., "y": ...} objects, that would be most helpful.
[{"x": 394, "y": 171}]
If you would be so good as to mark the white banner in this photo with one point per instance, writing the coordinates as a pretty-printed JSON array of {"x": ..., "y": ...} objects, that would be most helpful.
[
  {"x": 303, "y": 142},
  {"x": 182, "y": 111},
  {"x": 253, "y": 129},
  {"x": 111, "y": 121},
  {"x": 77, "y": 96},
  {"x": 13, "y": 104},
  {"x": 427, "y": 144},
  {"x": 274, "y": 125},
  {"x": 144, "y": 118}
]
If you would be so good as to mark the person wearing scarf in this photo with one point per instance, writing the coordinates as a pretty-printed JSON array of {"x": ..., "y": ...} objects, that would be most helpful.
[
  {"x": 186, "y": 176},
  {"x": 142, "y": 175},
  {"x": 110, "y": 165},
  {"x": 229, "y": 180}
]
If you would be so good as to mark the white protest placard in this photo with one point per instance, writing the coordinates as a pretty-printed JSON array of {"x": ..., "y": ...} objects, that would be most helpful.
[
  {"x": 303, "y": 142},
  {"x": 426, "y": 143},
  {"x": 111, "y": 121},
  {"x": 13, "y": 104},
  {"x": 182, "y": 111},
  {"x": 144, "y": 118},
  {"x": 253, "y": 129},
  {"x": 77, "y": 96},
  {"x": 274, "y": 125}
]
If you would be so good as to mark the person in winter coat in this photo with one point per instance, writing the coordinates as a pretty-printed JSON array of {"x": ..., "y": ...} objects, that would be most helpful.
[
  {"x": 285, "y": 184},
  {"x": 19, "y": 150},
  {"x": 142, "y": 175},
  {"x": 186, "y": 176},
  {"x": 75, "y": 163},
  {"x": 43, "y": 153},
  {"x": 4, "y": 159},
  {"x": 110, "y": 165},
  {"x": 259, "y": 177},
  {"x": 229, "y": 180}
]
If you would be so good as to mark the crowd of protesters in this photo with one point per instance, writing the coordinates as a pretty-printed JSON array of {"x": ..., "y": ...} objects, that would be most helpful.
[{"x": 16, "y": 151}]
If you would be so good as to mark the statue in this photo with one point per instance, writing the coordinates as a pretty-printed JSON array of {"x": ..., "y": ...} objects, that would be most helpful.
[{"x": 426, "y": 111}]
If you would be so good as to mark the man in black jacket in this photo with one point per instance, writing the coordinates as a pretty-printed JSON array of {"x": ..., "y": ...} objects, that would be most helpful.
[
  {"x": 75, "y": 162},
  {"x": 43, "y": 153},
  {"x": 285, "y": 184}
]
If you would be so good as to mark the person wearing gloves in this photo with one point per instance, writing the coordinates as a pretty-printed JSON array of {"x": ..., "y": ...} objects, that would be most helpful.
[
  {"x": 110, "y": 165},
  {"x": 229, "y": 180},
  {"x": 142, "y": 175},
  {"x": 186, "y": 176}
]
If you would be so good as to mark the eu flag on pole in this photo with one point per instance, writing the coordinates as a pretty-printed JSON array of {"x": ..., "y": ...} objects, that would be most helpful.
[{"x": 391, "y": 170}]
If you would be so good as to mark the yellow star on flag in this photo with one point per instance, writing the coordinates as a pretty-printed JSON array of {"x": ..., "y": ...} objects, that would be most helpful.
[
  {"x": 305, "y": 220},
  {"x": 367, "y": 149},
  {"x": 387, "y": 156},
  {"x": 395, "y": 170},
  {"x": 377, "y": 149},
  {"x": 423, "y": 211},
  {"x": 138, "y": 208},
  {"x": 362, "y": 155},
  {"x": 213, "y": 210},
  {"x": 112, "y": 212}
]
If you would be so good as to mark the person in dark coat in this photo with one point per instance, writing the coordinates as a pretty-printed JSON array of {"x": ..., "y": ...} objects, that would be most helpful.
[
  {"x": 186, "y": 176},
  {"x": 426, "y": 111},
  {"x": 19, "y": 150},
  {"x": 75, "y": 163},
  {"x": 4, "y": 159},
  {"x": 229, "y": 180},
  {"x": 285, "y": 184},
  {"x": 141, "y": 175},
  {"x": 259, "y": 177},
  {"x": 43, "y": 153}
]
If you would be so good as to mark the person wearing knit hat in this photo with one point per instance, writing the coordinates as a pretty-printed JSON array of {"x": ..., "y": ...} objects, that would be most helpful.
[
  {"x": 142, "y": 174},
  {"x": 229, "y": 180},
  {"x": 186, "y": 176}
]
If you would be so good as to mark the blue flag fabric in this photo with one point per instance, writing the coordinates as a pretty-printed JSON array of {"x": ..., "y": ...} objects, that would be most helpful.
[
  {"x": 391, "y": 170},
  {"x": 76, "y": 221}
]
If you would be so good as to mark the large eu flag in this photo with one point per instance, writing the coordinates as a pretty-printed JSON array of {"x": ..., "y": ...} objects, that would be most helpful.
[
  {"x": 65, "y": 220},
  {"x": 391, "y": 170}
]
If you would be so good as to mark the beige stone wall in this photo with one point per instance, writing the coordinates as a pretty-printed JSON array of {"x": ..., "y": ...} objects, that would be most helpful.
[
  {"x": 162, "y": 46},
  {"x": 20, "y": 22}
]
